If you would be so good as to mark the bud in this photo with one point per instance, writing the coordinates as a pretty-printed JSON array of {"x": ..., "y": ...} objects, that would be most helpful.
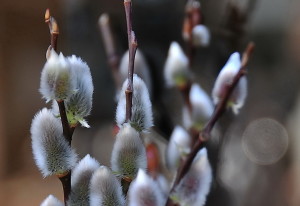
[
  {"x": 202, "y": 109},
  {"x": 225, "y": 77},
  {"x": 128, "y": 153},
  {"x": 194, "y": 187},
  {"x": 51, "y": 151},
  {"x": 141, "y": 118},
  {"x": 201, "y": 35},
  {"x": 176, "y": 70},
  {"x": 81, "y": 176},
  {"x": 141, "y": 68},
  {"x": 179, "y": 146},
  {"x": 51, "y": 201},
  {"x": 56, "y": 79},
  {"x": 54, "y": 27},
  {"x": 144, "y": 191},
  {"x": 79, "y": 105},
  {"x": 105, "y": 189},
  {"x": 47, "y": 15}
]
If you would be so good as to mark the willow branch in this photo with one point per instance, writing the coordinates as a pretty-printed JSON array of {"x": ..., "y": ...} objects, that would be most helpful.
[
  {"x": 67, "y": 131},
  {"x": 132, "y": 45},
  {"x": 219, "y": 110},
  {"x": 66, "y": 184},
  {"x": 193, "y": 17},
  {"x": 64, "y": 120},
  {"x": 53, "y": 29},
  {"x": 113, "y": 58}
]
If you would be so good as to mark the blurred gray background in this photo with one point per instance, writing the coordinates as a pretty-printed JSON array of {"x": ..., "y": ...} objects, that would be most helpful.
[{"x": 273, "y": 89}]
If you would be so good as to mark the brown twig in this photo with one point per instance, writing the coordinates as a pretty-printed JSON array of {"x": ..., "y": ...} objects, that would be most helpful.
[
  {"x": 64, "y": 120},
  {"x": 53, "y": 28},
  {"x": 66, "y": 184},
  {"x": 219, "y": 110},
  {"x": 113, "y": 58},
  {"x": 132, "y": 45},
  {"x": 125, "y": 185},
  {"x": 193, "y": 17},
  {"x": 67, "y": 131}
]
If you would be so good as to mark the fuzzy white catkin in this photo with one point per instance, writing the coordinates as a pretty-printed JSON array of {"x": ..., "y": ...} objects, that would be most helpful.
[
  {"x": 145, "y": 191},
  {"x": 79, "y": 104},
  {"x": 194, "y": 187},
  {"x": 128, "y": 153},
  {"x": 176, "y": 66},
  {"x": 51, "y": 201},
  {"x": 179, "y": 144},
  {"x": 81, "y": 176},
  {"x": 57, "y": 81},
  {"x": 200, "y": 101},
  {"x": 202, "y": 108},
  {"x": 105, "y": 189},
  {"x": 52, "y": 153},
  {"x": 141, "y": 117},
  {"x": 225, "y": 77},
  {"x": 201, "y": 35},
  {"x": 141, "y": 68}
]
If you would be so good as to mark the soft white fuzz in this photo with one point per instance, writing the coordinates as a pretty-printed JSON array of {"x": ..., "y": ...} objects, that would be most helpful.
[
  {"x": 201, "y": 35},
  {"x": 81, "y": 176},
  {"x": 179, "y": 145},
  {"x": 194, "y": 187},
  {"x": 176, "y": 70},
  {"x": 187, "y": 120},
  {"x": 141, "y": 68},
  {"x": 202, "y": 108},
  {"x": 128, "y": 153},
  {"x": 52, "y": 153},
  {"x": 56, "y": 78},
  {"x": 201, "y": 102},
  {"x": 225, "y": 77},
  {"x": 51, "y": 201},
  {"x": 79, "y": 104},
  {"x": 141, "y": 117},
  {"x": 163, "y": 185},
  {"x": 105, "y": 189},
  {"x": 144, "y": 191}
]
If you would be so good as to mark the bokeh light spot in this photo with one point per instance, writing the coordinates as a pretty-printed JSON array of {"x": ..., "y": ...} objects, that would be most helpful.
[{"x": 265, "y": 141}]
